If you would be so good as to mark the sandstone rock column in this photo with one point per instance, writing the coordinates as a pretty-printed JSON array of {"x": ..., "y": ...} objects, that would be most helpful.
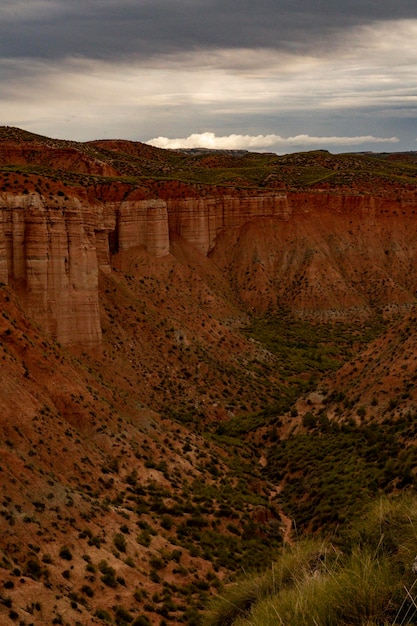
[
  {"x": 143, "y": 223},
  {"x": 52, "y": 261},
  {"x": 37, "y": 250},
  {"x": 81, "y": 322},
  {"x": 194, "y": 219},
  {"x": 18, "y": 261},
  {"x": 157, "y": 228},
  {"x": 4, "y": 272}
]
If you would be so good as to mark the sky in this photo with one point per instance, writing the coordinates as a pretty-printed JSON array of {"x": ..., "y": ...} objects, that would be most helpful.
[{"x": 264, "y": 75}]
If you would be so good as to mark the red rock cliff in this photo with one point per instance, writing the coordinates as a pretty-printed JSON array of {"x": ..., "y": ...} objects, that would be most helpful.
[
  {"x": 337, "y": 254},
  {"x": 199, "y": 220},
  {"x": 310, "y": 251},
  {"x": 50, "y": 256}
]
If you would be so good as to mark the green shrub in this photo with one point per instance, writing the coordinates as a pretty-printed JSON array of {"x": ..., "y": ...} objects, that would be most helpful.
[
  {"x": 120, "y": 542},
  {"x": 123, "y": 616},
  {"x": 33, "y": 568},
  {"x": 109, "y": 574},
  {"x": 104, "y": 615},
  {"x": 87, "y": 590},
  {"x": 65, "y": 553},
  {"x": 142, "y": 620}
]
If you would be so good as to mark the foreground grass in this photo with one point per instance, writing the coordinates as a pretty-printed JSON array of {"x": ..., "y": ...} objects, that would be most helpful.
[{"x": 364, "y": 579}]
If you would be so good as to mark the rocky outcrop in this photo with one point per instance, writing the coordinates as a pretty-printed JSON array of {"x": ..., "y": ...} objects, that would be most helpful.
[
  {"x": 51, "y": 253},
  {"x": 56, "y": 157}
]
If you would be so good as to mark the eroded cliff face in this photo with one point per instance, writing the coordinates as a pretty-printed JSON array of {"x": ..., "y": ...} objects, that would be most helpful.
[
  {"x": 337, "y": 256},
  {"x": 51, "y": 256},
  {"x": 141, "y": 223},
  {"x": 200, "y": 220},
  {"x": 314, "y": 252},
  {"x": 51, "y": 253},
  {"x": 51, "y": 250}
]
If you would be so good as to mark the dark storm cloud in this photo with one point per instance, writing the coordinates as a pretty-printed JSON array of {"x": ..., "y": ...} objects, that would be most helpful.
[
  {"x": 255, "y": 73},
  {"x": 114, "y": 29}
]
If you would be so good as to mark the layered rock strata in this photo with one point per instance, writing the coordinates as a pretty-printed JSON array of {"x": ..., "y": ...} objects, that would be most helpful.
[
  {"x": 52, "y": 249},
  {"x": 199, "y": 220},
  {"x": 337, "y": 256},
  {"x": 141, "y": 223},
  {"x": 49, "y": 255}
]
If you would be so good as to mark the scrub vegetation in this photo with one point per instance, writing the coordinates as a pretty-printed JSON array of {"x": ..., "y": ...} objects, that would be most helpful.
[{"x": 362, "y": 578}]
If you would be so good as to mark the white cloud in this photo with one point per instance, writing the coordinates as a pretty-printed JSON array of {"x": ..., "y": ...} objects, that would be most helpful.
[{"x": 249, "y": 142}]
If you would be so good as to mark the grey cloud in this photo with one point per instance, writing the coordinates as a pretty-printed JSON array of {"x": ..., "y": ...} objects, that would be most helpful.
[
  {"x": 137, "y": 69},
  {"x": 107, "y": 29}
]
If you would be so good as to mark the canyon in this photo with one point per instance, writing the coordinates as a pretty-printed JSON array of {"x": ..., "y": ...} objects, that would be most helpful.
[{"x": 176, "y": 331}]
